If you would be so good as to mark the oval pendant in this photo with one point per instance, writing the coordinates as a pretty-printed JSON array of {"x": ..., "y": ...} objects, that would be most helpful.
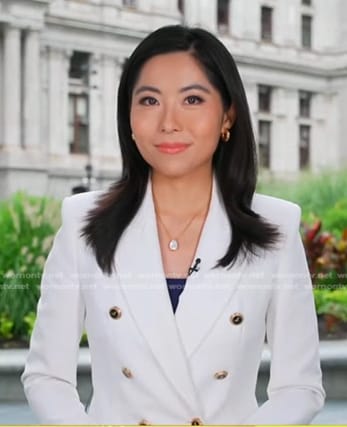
[{"x": 173, "y": 245}]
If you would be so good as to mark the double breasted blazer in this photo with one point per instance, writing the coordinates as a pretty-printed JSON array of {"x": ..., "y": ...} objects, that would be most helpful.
[{"x": 199, "y": 365}]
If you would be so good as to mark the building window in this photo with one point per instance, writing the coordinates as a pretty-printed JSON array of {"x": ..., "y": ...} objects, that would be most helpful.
[
  {"x": 79, "y": 66},
  {"x": 306, "y": 31},
  {"x": 78, "y": 124},
  {"x": 304, "y": 146},
  {"x": 264, "y": 98},
  {"x": 306, "y": 2},
  {"x": 266, "y": 23},
  {"x": 79, "y": 102},
  {"x": 180, "y": 5},
  {"x": 223, "y": 15},
  {"x": 129, "y": 3},
  {"x": 264, "y": 132},
  {"x": 305, "y": 103}
]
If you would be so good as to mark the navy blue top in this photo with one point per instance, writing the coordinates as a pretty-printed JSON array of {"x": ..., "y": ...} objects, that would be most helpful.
[{"x": 175, "y": 287}]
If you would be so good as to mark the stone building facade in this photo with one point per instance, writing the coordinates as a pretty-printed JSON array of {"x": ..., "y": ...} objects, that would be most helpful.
[{"x": 60, "y": 62}]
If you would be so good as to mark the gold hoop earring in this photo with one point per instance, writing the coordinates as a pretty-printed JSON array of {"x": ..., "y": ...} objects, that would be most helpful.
[{"x": 225, "y": 135}]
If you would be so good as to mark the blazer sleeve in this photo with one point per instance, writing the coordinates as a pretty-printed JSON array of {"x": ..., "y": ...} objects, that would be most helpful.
[
  {"x": 50, "y": 372},
  {"x": 295, "y": 392}
]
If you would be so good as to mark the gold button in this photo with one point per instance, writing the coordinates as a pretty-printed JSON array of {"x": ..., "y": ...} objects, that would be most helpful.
[
  {"x": 196, "y": 422},
  {"x": 144, "y": 422},
  {"x": 115, "y": 312},
  {"x": 127, "y": 372},
  {"x": 220, "y": 375},
  {"x": 236, "y": 318}
]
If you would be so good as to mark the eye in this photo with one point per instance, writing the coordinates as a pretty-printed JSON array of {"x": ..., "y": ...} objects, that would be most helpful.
[
  {"x": 148, "y": 100},
  {"x": 194, "y": 100}
]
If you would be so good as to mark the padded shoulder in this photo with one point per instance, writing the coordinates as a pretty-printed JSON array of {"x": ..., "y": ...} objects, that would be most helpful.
[
  {"x": 77, "y": 206},
  {"x": 277, "y": 211}
]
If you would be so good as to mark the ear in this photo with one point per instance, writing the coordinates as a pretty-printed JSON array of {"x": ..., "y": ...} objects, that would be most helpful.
[{"x": 229, "y": 118}]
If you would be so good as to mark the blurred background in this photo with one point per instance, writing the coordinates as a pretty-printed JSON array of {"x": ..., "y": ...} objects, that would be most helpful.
[{"x": 60, "y": 64}]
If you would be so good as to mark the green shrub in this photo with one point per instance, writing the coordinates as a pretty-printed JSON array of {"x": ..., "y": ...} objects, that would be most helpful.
[
  {"x": 326, "y": 254},
  {"x": 335, "y": 218},
  {"x": 317, "y": 195},
  {"x": 27, "y": 225},
  {"x": 323, "y": 199},
  {"x": 332, "y": 302},
  {"x": 6, "y": 327},
  {"x": 29, "y": 320}
]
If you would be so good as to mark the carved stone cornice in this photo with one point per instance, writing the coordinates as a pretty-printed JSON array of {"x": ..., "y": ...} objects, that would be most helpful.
[{"x": 295, "y": 68}]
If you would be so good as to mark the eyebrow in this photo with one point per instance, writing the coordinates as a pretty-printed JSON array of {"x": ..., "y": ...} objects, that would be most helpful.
[{"x": 183, "y": 89}]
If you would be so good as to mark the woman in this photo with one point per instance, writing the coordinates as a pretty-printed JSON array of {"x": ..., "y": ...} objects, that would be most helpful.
[{"x": 179, "y": 271}]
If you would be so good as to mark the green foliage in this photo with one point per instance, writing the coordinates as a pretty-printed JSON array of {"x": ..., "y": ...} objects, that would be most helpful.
[
  {"x": 320, "y": 196},
  {"x": 29, "y": 320},
  {"x": 326, "y": 256},
  {"x": 335, "y": 218},
  {"x": 332, "y": 302},
  {"x": 27, "y": 225},
  {"x": 323, "y": 199},
  {"x": 6, "y": 326},
  {"x": 84, "y": 339}
]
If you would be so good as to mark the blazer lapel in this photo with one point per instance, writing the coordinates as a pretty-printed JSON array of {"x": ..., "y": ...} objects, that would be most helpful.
[
  {"x": 140, "y": 273},
  {"x": 208, "y": 291}
]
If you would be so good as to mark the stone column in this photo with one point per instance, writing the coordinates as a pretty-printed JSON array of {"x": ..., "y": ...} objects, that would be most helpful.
[
  {"x": 111, "y": 72},
  {"x": 57, "y": 102},
  {"x": 44, "y": 104},
  {"x": 31, "y": 125},
  {"x": 64, "y": 90},
  {"x": 281, "y": 137},
  {"x": 328, "y": 141},
  {"x": 286, "y": 106},
  {"x": 12, "y": 87},
  {"x": 95, "y": 119}
]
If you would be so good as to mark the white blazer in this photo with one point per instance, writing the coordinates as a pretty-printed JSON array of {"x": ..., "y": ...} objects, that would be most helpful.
[{"x": 199, "y": 365}]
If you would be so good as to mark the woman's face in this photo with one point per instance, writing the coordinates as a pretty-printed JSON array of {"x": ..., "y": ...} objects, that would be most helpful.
[{"x": 176, "y": 115}]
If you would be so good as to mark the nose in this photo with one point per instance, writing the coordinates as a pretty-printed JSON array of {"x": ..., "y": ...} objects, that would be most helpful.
[{"x": 170, "y": 121}]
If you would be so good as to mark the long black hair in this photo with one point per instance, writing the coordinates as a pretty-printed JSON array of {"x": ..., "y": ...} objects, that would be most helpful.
[{"x": 234, "y": 163}]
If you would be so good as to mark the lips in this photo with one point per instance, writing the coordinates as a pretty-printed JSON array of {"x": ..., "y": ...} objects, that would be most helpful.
[{"x": 172, "y": 147}]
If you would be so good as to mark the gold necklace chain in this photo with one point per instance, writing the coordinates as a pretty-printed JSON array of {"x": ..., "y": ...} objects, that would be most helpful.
[{"x": 173, "y": 243}]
